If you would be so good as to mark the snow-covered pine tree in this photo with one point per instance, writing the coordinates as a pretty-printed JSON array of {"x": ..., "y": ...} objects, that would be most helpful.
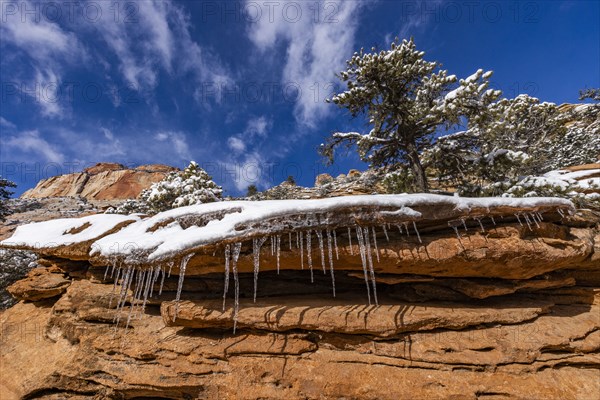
[
  {"x": 406, "y": 99},
  {"x": 5, "y": 194},
  {"x": 515, "y": 138},
  {"x": 191, "y": 186}
]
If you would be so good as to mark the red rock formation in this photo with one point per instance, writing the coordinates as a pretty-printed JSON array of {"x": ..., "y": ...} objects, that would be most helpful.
[{"x": 103, "y": 181}]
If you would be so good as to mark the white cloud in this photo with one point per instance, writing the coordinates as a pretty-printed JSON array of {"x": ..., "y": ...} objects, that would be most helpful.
[
  {"x": 258, "y": 127},
  {"x": 31, "y": 142},
  {"x": 92, "y": 147},
  {"x": 236, "y": 144},
  {"x": 49, "y": 46},
  {"x": 251, "y": 169},
  {"x": 42, "y": 39},
  {"x": 6, "y": 123},
  {"x": 46, "y": 89},
  {"x": 315, "y": 50},
  {"x": 107, "y": 133},
  {"x": 245, "y": 164},
  {"x": 159, "y": 36},
  {"x": 177, "y": 141}
]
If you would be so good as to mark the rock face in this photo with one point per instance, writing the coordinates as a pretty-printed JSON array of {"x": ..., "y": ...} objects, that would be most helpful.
[
  {"x": 507, "y": 312},
  {"x": 103, "y": 181}
]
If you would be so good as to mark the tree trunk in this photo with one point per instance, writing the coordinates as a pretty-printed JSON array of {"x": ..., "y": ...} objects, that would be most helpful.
[{"x": 417, "y": 167}]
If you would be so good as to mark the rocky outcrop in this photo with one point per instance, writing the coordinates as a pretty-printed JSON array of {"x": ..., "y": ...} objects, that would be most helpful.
[
  {"x": 103, "y": 181},
  {"x": 503, "y": 311},
  {"x": 352, "y": 184}
]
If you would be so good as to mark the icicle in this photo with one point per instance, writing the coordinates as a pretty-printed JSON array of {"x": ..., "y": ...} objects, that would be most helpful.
[
  {"x": 256, "y": 261},
  {"x": 350, "y": 241},
  {"x": 375, "y": 243},
  {"x": 125, "y": 285},
  {"x": 298, "y": 239},
  {"x": 533, "y": 216},
  {"x": 278, "y": 251},
  {"x": 416, "y": 230},
  {"x": 337, "y": 254},
  {"x": 139, "y": 284},
  {"x": 399, "y": 229},
  {"x": 519, "y": 219},
  {"x": 480, "y": 224},
  {"x": 170, "y": 268},
  {"x": 539, "y": 216},
  {"x": 458, "y": 236},
  {"x": 301, "y": 236},
  {"x": 136, "y": 295},
  {"x": 114, "y": 287},
  {"x": 464, "y": 224},
  {"x": 528, "y": 221},
  {"x": 182, "y": 267},
  {"x": 363, "y": 258},
  {"x": 147, "y": 286},
  {"x": 272, "y": 245},
  {"x": 290, "y": 239},
  {"x": 406, "y": 228},
  {"x": 322, "y": 248},
  {"x": 236, "y": 254},
  {"x": 114, "y": 265},
  {"x": 562, "y": 215},
  {"x": 162, "y": 281},
  {"x": 309, "y": 254},
  {"x": 226, "y": 283},
  {"x": 106, "y": 271},
  {"x": 385, "y": 232},
  {"x": 330, "y": 254},
  {"x": 371, "y": 269},
  {"x": 493, "y": 220},
  {"x": 154, "y": 277}
]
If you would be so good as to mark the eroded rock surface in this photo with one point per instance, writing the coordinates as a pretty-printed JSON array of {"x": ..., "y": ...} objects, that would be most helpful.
[
  {"x": 103, "y": 181},
  {"x": 511, "y": 313}
]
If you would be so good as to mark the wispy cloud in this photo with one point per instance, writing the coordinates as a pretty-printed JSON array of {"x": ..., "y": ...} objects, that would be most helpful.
[
  {"x": 246, "y": 160},
  {"x": 159, "y": 34},
  {"x": 177, "y": 142},
  {"x": 31, "y": 142},
  {"x": 48, "y": 45},
  {"x": 4, "y": 123},
  {"x": 317, "y": 45}
]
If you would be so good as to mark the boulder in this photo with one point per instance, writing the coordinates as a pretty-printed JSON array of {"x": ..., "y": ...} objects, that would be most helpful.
[
  {"x": 323, "y": 179},
  {"x": 41, "y": 283}
]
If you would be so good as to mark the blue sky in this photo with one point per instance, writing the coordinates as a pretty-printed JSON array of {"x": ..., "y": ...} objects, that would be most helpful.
[{"x": 239, "y": 86}]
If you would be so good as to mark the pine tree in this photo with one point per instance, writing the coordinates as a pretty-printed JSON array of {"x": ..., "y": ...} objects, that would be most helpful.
[
  {"x": 589, "y": 94},
  {"x": 4, "y": 196},
  {"x": 405, "y": 99},
  {"x": 191, "y": 186},
  {"x": 252, "y": 191},
  {"x": 290, "y": 180},
  {"x": 515, "y": 138}
]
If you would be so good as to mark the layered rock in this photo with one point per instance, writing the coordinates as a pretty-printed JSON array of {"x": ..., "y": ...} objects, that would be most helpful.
[
  {"x": 503, "y": 310},
  {"x": 103, "y": 181}
]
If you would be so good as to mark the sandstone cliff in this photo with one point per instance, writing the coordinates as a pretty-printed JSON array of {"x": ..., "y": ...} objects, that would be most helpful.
[
  {"x": 506, "y": 308},
  {"x": 103, "y": 181}
]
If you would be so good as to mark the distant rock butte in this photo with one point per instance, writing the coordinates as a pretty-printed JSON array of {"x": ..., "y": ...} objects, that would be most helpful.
[{"x": 103, "y": 181}]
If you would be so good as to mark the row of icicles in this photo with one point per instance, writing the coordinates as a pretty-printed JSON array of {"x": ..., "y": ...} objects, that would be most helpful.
[{"x": 145, "y": 279}]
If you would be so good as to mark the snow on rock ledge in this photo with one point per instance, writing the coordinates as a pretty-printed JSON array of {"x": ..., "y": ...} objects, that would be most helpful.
[
  {"x": 172, "y": 234},
  {"x": 73, "y": 236}
]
